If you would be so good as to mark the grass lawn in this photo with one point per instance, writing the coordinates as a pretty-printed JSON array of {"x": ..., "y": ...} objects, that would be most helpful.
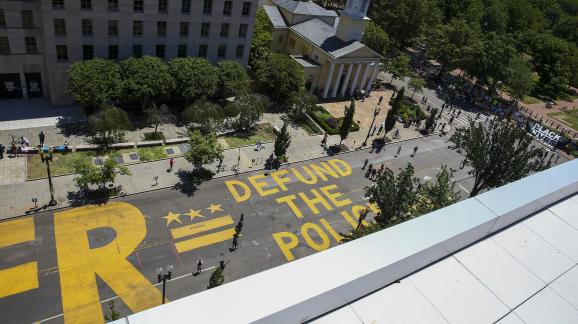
[
  {"x": 264, "y": 132},
  {"x": 64, "y": 163},
  {"x": 528, "y": 100},
  {"x": 329, "y": 123},
  {"x": 569, "y": 116}
]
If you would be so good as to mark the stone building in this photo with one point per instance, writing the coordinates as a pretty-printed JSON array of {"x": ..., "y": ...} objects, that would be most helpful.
[
  {"x": 39, "y": 39},
  {"x": 326, "y": 44}
]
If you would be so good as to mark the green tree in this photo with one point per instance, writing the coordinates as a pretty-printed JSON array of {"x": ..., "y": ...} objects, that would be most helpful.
[
  {"x": 108, "y": 125},
  {"x": 556, "y": 61},
  {"x": 416, "y": 84},
  {"x": 391, "y": 117},
  {"x": 88, "y": 174},
  {"x": 439, "y": 194},
  {"x": 204, "y": 115},
  {"x": 300, "y": 104},
  {"x": 145, "y": 78},
  {"x": 217, "y": 278},
  {"x": 249, "y": 110},
  {"x": 261, "y": 43},
  {"x": 430, "y": 121},
  {"x": 278, "y": 76},
  {"x": 395, "y": 196},
  {"x": 204, "y": 149},
  {"x": 158, "y": 115},
  {"x": 92, "y": 83},
  {"x": 233, "y": 78},
  {"x": 112, "y": 314},
  {"x": 520, "y": 81},
  {"x": 282, "y": 143},
  {"x": 498, "y": 153},
  {"x": 195, "y": 77},
  {"x": 375, "y": 37},
  {"x": 398, "y": 67},
  {"x": 347, "y": 121}
]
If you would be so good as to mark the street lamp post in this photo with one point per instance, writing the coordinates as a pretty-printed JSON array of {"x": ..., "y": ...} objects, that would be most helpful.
[
  {"x": 375, "y": 113},
  {"x": 47, "y": 159},
  {"x": 163, "y": 277}
]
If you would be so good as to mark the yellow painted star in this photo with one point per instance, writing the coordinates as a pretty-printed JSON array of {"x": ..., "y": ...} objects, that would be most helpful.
[
  {"x": 213, "y": 208},
  {"x": 172, "y": 217},
  {"x": 194, "y": 213}
]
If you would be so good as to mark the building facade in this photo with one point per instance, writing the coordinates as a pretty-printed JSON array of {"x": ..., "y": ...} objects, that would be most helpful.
[
  {"x": 326, "y": 44},
  {"x": 39, "y": 39}
]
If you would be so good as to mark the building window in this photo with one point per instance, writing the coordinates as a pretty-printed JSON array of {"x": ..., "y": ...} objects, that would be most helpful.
[
  {"x": 27, "y": 19},
  {"x": 137, "y": 50},
  {"x": 137, "y": 27},
  {"x": 59, "y": 27},
  {"x": 160, "y": 51},
  {"x": 246, "y": 9},
  {"x": 113, "y": 5},
  {"x": 161, "y": 28},
  {"x": 31, "y": 47},
  {"x": 2, "y": 18},
  {"x": 225, "y": 30},
  {"x": 207, "y": 7},
  {"x": 113, "y": 52},
  {"x": 205, "y": 27},
  {"x": 163, "y": 6},
  {"x": 61, "y": 53},
  {"x": 222, "y": 51},
  {"x": 240, "y": 51},
  {"x": 184, "y": 29},
  {"x": 86, "y": 4},
  {"x": 186, "y": 7},
  {"x": 58, "y": 4},
  {"x": 182, "y": 52},
  {"x": 138, "y": 5},
  {"x": 113, "y": 28},
  {"x": 227, "y": 8},
  {"x": 87, "y": 52},
  {"x": 4, "y": 45},
  {"x": 86, "y": 27},
  {"x": 243, "y": 30},
  {"x": 203, "y": 49}
]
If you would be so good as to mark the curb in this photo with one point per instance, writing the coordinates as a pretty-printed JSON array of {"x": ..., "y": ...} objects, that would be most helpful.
[{"x": 216, "y": 177}]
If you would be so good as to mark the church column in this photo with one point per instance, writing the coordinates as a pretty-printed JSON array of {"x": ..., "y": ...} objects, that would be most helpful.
[
  {"x": 337, "y": 80},
  {"x": 372, "y": 77},
  {"x": 355, "y": 78},
  {"x": 328, "y": 80},
  {"x": 346, "y": 82},
  {"x": 364, "y": 77}
]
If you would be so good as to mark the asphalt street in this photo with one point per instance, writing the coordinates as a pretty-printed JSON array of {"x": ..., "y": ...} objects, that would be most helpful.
[{"x": 79, "y": 255}]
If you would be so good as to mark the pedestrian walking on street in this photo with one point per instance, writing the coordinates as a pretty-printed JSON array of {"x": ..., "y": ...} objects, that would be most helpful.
[
  {"x": 364, "y": 164},
  {"x": 459, "y": 112},
  {"x": 368, "y": 170},
  {"x": 373, "y": 131},
  {"x": 2, "y": 148},
  {"x": 398, "y": 151},
  {"x": 380, "y": 100},
  {"x": 380, "y": 129},
  {"x": 235, "y": 242},
  {"x": 199, "y": 265},
  {"x": 373, "y": 172},
  {"x": 171, "y": 164},
  {"x": 451, "y": 120},
  {"x": 414, "y": 151},
  {"x": 324, "y": 140},
  {"x": 239, "y": 226},
  {"x": 41, "y": 138}
]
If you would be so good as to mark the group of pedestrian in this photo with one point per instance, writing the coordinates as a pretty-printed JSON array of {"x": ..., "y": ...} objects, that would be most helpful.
[{"x": 372, "y": 173}]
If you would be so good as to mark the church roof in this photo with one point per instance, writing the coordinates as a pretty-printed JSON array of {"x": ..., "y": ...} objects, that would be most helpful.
[
  {"x": 304, "y": 8},
  {"x": 323, "y": 35},
  {"x": 275, "y": 16}
]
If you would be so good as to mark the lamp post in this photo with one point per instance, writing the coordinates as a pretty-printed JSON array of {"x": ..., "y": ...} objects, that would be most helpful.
[
  {"x": 375, "y": 113},
  {"x": 163, "y": 277},
  {"x": 47, "y": 159}
]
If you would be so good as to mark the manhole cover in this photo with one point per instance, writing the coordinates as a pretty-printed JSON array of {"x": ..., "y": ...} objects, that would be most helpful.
[
  {"x": 133, "y": 156},
  {"x": 170, "y": 151},
  {"x": 119, "y": 159},
  {"x": 97, "y": 161}
]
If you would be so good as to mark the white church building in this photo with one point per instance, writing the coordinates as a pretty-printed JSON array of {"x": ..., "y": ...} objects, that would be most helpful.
[{"x": 326, "y": 44}]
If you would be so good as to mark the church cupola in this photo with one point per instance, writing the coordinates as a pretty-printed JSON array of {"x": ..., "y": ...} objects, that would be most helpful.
[{"x": 352, "y": 20}]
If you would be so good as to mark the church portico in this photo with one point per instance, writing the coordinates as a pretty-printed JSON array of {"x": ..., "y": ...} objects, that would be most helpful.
[{"x": 335, "y": 62}]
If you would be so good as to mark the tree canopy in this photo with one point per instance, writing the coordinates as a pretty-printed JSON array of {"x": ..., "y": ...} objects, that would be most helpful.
[
  {"x": 249, "y": 109},
  {"x": 145, "y": 78},
  {"x": 195, "y": 77},
  {"x": 233, "y": 78},
  {"x": 108, "y": 125},
  {"x": 94, "y": 82},
  {"x": 278, "y": 76},
  {"x": 375, "y": 37},
  {"x": 204, "y": 149},
  {"x": 204, "y": 115},
  {"x": 261, "y": 43}
]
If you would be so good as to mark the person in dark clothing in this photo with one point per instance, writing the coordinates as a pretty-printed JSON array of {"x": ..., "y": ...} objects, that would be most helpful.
[
  {"x": 235, "y": 242},
  {"x": 2, "y": 148},
  {"x": 365, "y": 164},
  {"x": 41, "y": 138}
]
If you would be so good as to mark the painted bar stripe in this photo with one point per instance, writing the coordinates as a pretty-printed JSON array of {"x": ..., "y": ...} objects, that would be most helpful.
[
  {"x": 16, "y": 231},
  {"x": 199, "y": 227},
  {"x": 18, "y": 279},
  {"x": 205, "y": 240}
]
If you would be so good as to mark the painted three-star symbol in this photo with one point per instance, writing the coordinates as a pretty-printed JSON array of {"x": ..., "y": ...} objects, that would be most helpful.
[
  {"x": 172, "y": 217},
  {"x": 213, "y": 208}
]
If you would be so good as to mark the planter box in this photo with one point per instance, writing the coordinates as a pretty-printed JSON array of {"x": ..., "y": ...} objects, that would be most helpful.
[
  {"x": 86, "y": 147},
  {"x": 176, "y": 140},
  {"x": 149, "y": 143},
  {"x": 123, "y": 145}
]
